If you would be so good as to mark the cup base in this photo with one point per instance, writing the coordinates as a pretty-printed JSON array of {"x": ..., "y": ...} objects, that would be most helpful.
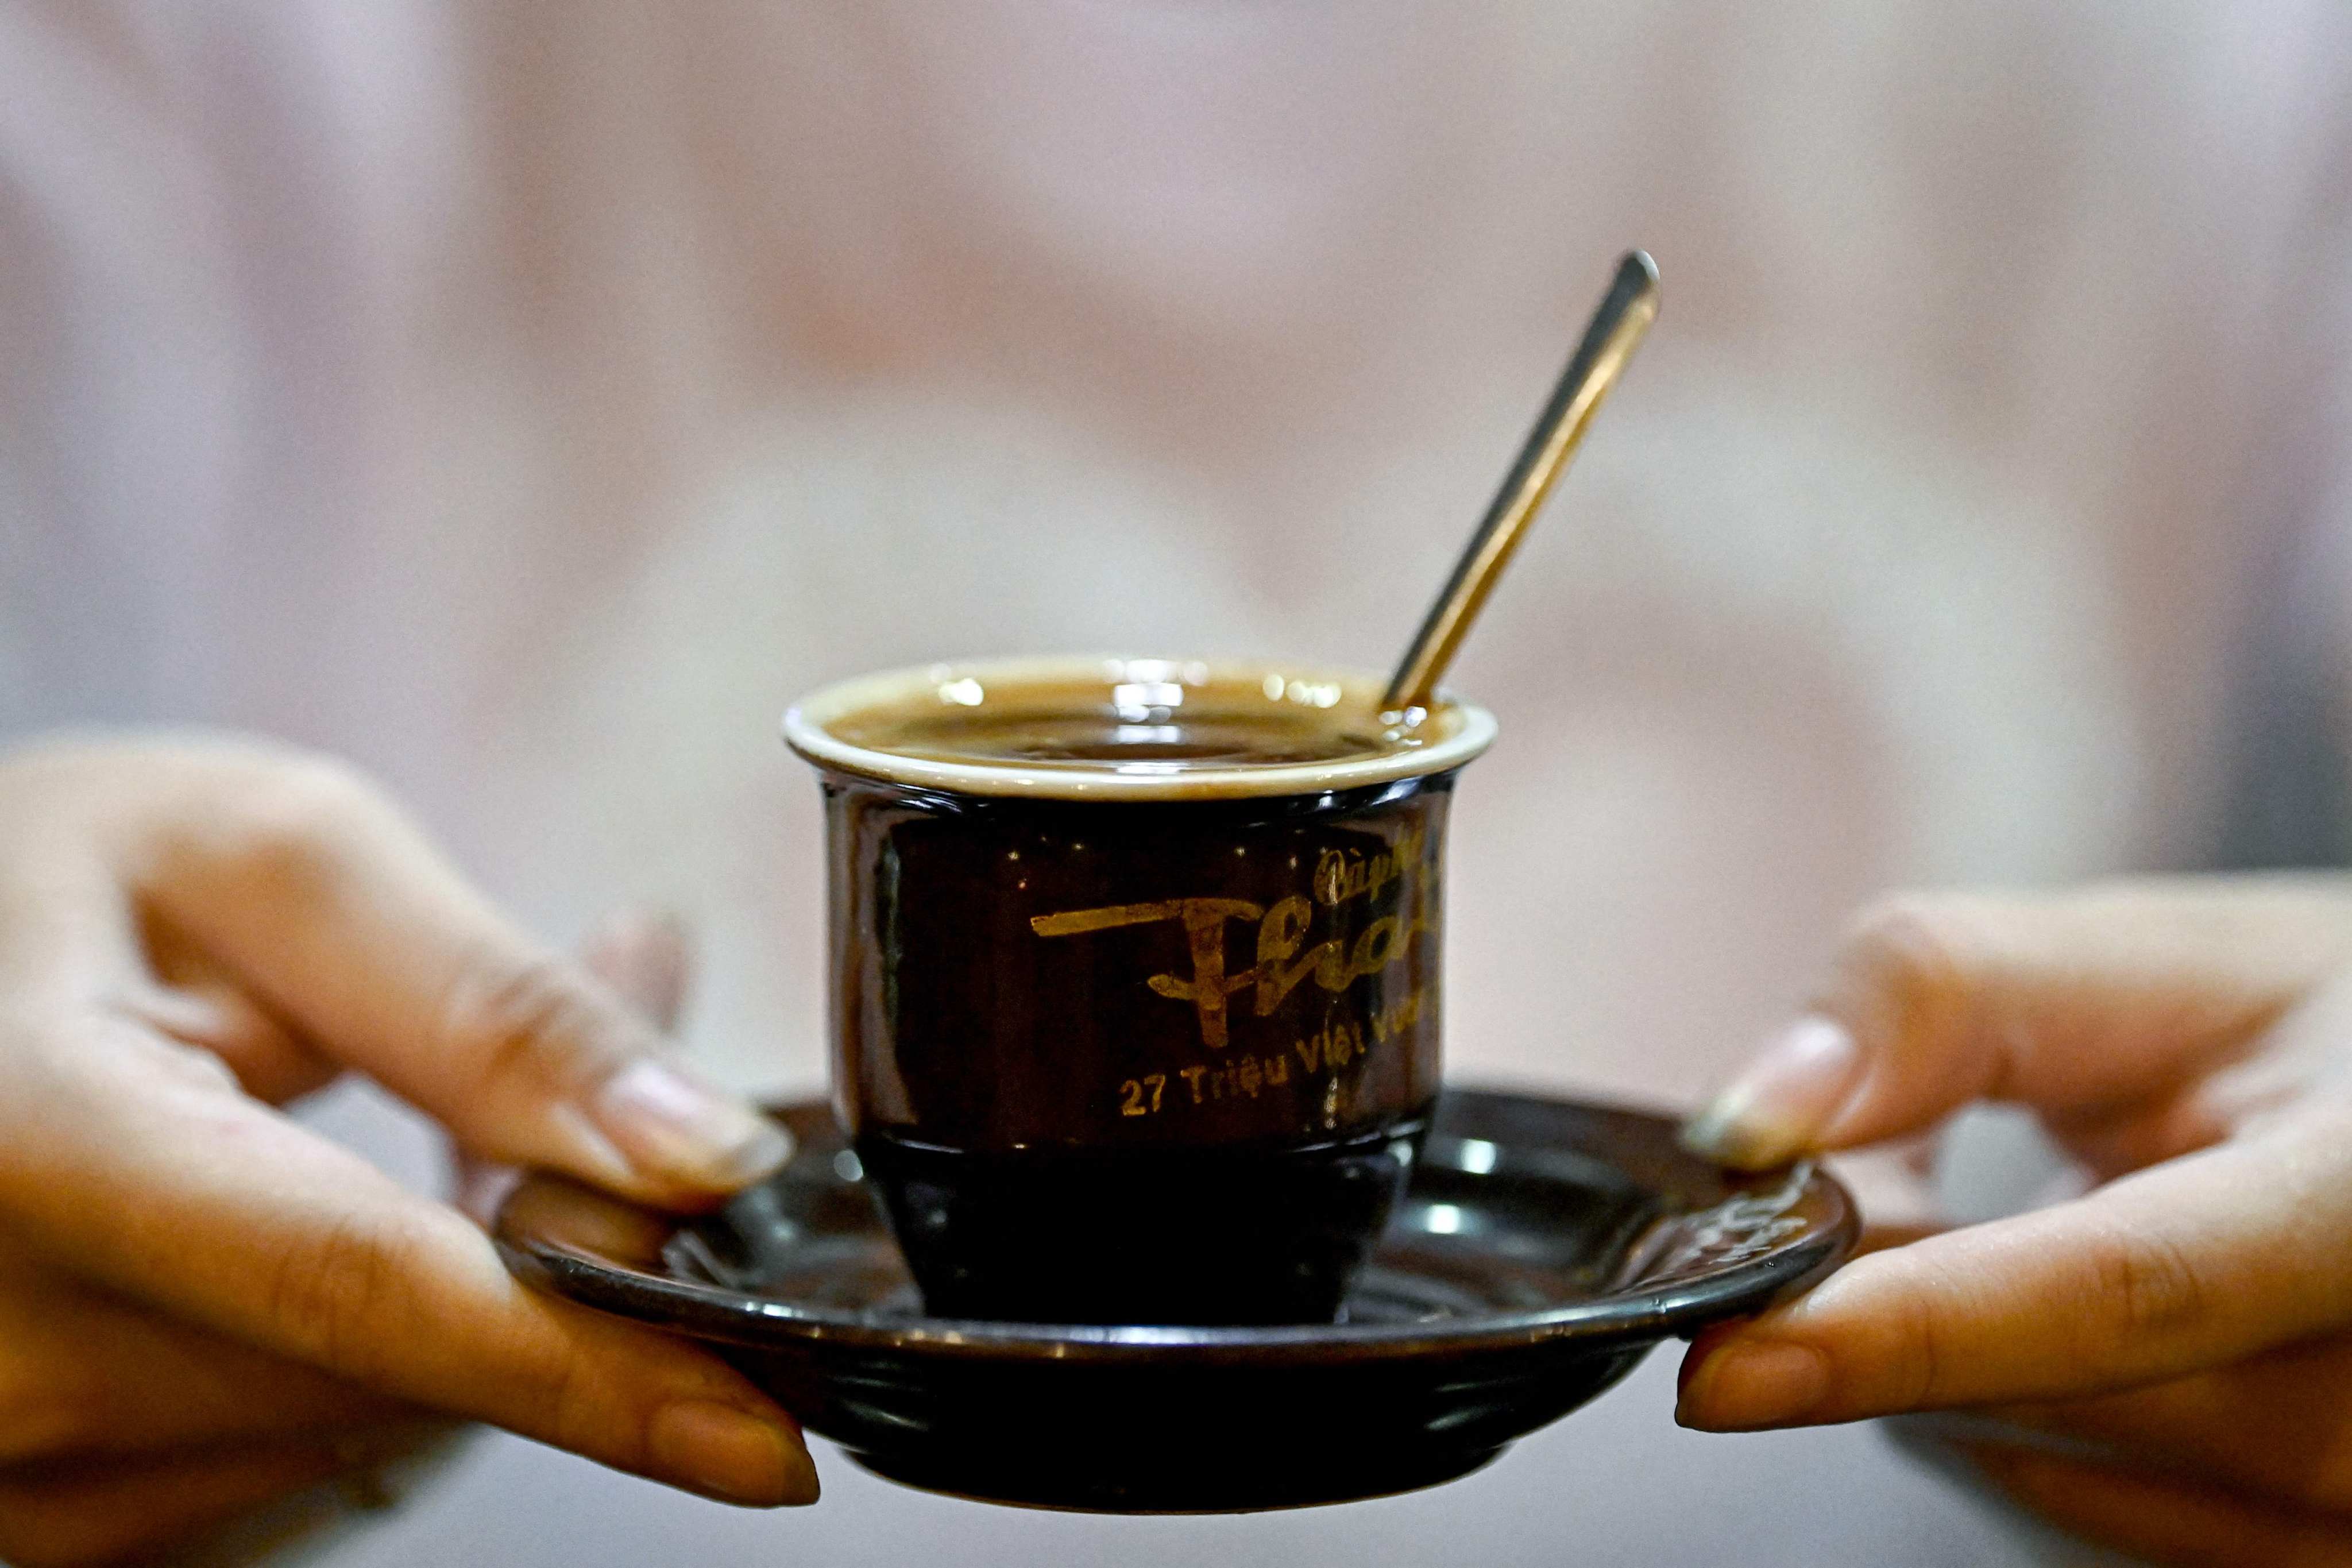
[
  {"x": 1197, "y": 1236},
  {"x": 1169, "y": 1482}
]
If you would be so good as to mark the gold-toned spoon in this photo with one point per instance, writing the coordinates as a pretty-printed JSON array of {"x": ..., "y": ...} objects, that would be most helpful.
[{"x": 1625, "y": 313}]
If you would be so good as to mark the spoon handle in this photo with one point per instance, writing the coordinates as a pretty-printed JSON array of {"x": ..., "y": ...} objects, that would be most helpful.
[{"x": 1625, "y": 313}]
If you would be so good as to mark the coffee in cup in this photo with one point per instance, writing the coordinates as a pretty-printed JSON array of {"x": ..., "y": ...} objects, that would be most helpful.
[{"x": 1135, "y": 970}]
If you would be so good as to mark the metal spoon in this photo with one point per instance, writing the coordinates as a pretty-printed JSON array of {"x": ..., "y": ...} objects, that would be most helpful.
[{"x": 1625, "y": 313}]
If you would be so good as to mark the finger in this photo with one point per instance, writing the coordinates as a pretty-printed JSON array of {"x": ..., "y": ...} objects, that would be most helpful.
[
  {"x": 195, "y": 1200},
  {"x": 2279, "y": 1427},
  {"x": 271, "y": 1062},
  {"x": 103, "y": 1513},
  {"x": 81, "y": 1374},
  {"x": 329, "y": 905},
  {"x": 2192, "y": 1265},
  {"x": 644, "y": 957},
  {"x": 644, "y": 960},
  {"x": 2164, "y": 1520},
  {"x": 2074, "y": 1004},
  {"x": 185, "y": 993}
]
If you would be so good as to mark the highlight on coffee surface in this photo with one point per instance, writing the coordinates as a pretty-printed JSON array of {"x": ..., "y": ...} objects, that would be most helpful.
[
  {"x": 1135, "y": 974},
  {"x": 1150, "y": 718},
  {"x": 1099, "y": 728}
]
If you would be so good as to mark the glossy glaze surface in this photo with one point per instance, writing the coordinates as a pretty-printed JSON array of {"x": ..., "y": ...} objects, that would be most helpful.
[
  {"x": 1541, "y": 1249},
  {"x": 1197, "y": 1033}
]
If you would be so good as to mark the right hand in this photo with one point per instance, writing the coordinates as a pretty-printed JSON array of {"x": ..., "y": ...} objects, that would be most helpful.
[
  {"x": 2163, "y": 1365},
  {"x": 203, "y": 1304}
]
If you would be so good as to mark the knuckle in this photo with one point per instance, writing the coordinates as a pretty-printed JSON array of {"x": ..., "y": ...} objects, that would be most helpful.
[
  {"x": 1919, "y": 939},
  {"x": 334, "y": 1296},
  {"x": 290, "y": 815},
  {"x": 550, "y": 1387},
  {"x": 528, "y": 1020},
  {"x": 190, "y": 1067},
  {"x": 1912, "y": 957},
  {"x": 1922, "y": 1352},
  {"x": 320, "y": 779},
  {"x": 571, "y": 1404},
  {"x": 2149, "y": 1285}
]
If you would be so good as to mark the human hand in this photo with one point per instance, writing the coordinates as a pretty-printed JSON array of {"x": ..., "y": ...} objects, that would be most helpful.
[
  {"x": 2164, "y": 1364},
  {"x": 204, "y": 1305}
]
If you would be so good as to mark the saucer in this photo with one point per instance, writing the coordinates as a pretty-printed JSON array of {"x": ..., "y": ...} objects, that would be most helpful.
[{"x": 1542, "y": 1249}]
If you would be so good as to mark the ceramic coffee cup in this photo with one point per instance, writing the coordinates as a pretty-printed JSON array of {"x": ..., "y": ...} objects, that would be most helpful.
[{"x": 1135, "y": 974}]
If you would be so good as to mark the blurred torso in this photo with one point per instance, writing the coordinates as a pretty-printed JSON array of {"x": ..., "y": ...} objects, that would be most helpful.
[{"x": 530, "y": 400}]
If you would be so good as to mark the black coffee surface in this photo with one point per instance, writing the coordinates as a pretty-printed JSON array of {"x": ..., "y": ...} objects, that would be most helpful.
[{"x": 1156, "y": 739}]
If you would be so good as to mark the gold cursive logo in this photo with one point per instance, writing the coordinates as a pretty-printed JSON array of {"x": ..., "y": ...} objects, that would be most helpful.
[{"x": 1284, "y": 959}]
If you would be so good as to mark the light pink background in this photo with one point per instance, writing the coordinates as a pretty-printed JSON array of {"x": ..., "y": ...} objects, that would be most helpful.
[{"x": 528, "y": 399}]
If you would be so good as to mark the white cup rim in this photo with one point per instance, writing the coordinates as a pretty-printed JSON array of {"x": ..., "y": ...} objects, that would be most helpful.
[{"x": 1463, "y": 729}]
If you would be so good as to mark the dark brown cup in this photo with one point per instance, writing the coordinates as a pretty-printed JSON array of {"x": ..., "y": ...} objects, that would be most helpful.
[{"x": 1123, "y": 1042}]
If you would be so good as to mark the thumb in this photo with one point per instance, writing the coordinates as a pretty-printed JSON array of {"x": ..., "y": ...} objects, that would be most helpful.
[
  {"x": 2090, "y": 1000},
  {"x": 331, "y": 907},
  {"x": 2195, "y": 1263}
]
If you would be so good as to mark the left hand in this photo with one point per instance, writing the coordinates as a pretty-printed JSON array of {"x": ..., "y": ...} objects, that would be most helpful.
[
  {"x": 2164, "y": 1365},
  {"x": 306, "y": 1449},
  {"x": 206, "y": 1307}
]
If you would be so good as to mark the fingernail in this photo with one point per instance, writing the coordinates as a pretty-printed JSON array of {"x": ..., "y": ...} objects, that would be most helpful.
[
  {"x": 1775, "y": 1107},
  {"x": 731, "y": 1455},
  {"x": 658, "y": 1113},
  {"x": 1742, "y": 1387}
]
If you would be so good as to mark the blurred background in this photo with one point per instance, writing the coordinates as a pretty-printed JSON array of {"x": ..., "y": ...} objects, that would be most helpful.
[{"x": 528, "y": 398}]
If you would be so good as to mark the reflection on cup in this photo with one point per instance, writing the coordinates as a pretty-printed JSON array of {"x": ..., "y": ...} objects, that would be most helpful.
[{"x": 1135, "y": 970}]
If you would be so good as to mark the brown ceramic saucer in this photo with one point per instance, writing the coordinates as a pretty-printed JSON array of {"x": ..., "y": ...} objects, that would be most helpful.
[{"x": 1543, "y": 1247}]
